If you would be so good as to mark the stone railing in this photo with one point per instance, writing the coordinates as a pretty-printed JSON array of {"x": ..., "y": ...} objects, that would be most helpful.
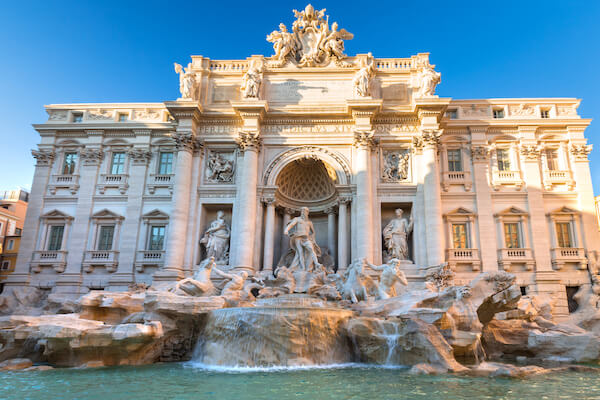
[
  {"x": 463, "y": 256},
  {"x": 393, "y": 64},
  {"x": 456, "y": 178},
  {"x": 56, "y": 259},
  {"x": 563, "y": 255},
  {"x": 160, "y": 181},
  {"x": 66, "y": 181},
  {"x": 506, "y": 178},
  {"x": 149, "y": 258},
  {"x": 552, "y": 177},
  {"x": 228, "y": 66},
  {"x": 105, "y": 258},
  {"x": 508, "y": 257},
  {"x": 116, "y": 181}
]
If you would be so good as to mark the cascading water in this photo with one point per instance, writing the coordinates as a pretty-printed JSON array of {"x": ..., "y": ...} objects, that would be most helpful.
[{"x": 292, "y": 330}]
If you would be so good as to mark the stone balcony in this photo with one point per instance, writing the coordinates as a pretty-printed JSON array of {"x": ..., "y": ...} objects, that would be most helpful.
[
  {"x": 509, "y": 257},
  {"x": 146, "y": 258},
  {"x": 564, "y": 255},
  {"x": 160, "y": 181},
  {"x": 552, "y": 177},
  {"x": 113, "y": 181},
  {"x": 101, "y": 258},
  {"x": 67, "y": 181},
  {"x": 56, "y": 259},
  {"x": 463, "y": 256},
  {"x": 509, "y": 178},
  {"x": 456, "y": 178}
]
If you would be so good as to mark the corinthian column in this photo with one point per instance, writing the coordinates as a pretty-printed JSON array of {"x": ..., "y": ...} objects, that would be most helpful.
[
  {"x": 243, "y": 230},
  {"x": 178, "y": 221},
  {"x": 363, "y": 142},
  {"x": 432, "y": 198}
]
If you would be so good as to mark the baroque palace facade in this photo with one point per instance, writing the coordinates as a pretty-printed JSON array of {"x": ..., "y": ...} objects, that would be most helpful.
[{"x": 125, "y": 193}]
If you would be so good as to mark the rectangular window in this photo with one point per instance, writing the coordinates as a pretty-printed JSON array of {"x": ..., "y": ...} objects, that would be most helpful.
[
  {"x": 5, "y": 265},
  {"x": 563, "y": 234},
  {"x": 122, "y": 117},
  {"x": 105, "y": 239},
  {"x": 498, "y": 113},
  {"x": 512, "y": 236},
  {"x": 18, "y": 231},
  {"x": 10, "y": 245},
  {"x": 69, "y": 163},
  {"x": 165, "y": 163},
  {"x": 454, "y": 160},
  {"x": 56, "y": 237},
  {"x": 545, "y": 113},
  {"x": 77, "y": 117},
  {"x": 117, "y": 165},
  {"x": 157, "y": 238},
  {"x": 459, "y": 236},
  {"x": 452, "y": 114},
  {"x": 552, "y": 159},
  {"x": 503, "y": 157}
]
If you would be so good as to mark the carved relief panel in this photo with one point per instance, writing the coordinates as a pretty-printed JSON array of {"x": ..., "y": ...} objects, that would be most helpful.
[
  {"x": 220, "y": 166},
  {"x": 395, "y": 165}
]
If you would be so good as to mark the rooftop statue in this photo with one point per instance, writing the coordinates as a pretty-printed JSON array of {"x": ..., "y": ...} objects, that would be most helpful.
[
  {"x": 187, "y": 82},
  {"x": 311, "y": 43},
  {"x": 363, "y": 79},
  {"x": 428, "y": 80},
  {"x": 251, "y": 81}
]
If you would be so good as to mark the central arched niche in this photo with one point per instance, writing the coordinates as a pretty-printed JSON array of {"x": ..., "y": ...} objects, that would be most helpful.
[{"x": 307, "y": 182}]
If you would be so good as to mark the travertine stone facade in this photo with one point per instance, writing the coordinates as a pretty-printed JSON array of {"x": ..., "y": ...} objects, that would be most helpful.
[{"x": 491, "y": 184}]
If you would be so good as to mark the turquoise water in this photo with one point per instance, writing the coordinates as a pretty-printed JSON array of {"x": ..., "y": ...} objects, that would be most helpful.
[{"x": 185, "y": 381}]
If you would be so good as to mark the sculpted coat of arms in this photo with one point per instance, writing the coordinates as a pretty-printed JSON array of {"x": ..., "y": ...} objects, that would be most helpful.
[{"x": 312, "y": 41}]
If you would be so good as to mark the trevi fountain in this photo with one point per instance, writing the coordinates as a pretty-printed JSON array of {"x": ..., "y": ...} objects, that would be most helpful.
[{"x": 308, "y": 224}]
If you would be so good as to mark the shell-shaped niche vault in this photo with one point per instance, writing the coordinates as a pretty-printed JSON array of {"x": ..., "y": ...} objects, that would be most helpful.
[{"x": 306, "y": 182}]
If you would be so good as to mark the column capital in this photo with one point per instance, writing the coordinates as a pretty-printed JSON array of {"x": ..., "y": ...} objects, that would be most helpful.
[
  {"x": 480, "y": 153},
  {"x": 365, "y": 140},
  {"x": 331, "y": 210},
  {"x": 266, "y": 200},
  {"x": 184, "y": 141},
  {"x": 248, "y": 141},
  {"x": 431, "y": 137},
  {"x": 43, "y": 157},
  {"x": 580, "y": 151},
  {"x": 91, "y": 156},
  {"x": 140, "y": 156},
  {"x": 344, "y": 200}
]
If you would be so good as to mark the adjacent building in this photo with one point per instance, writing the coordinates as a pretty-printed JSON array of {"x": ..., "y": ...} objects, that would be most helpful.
[
  {"x": 13, "y": 206},
  {"x": 124, "y": 192}
]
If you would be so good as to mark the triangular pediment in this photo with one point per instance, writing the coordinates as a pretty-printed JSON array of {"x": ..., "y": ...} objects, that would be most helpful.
[
  {"x": 56, "y": 214},
  {"x": 512, "y": 211},
  {"x": 156, "y": 214},
  {"x": 461, "y": 211},
  {"x": 106, "y": 214},
  {"x": 564, "y": 210}
]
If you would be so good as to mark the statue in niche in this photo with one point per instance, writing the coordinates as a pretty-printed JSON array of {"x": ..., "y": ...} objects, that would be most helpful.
[
  {"x": 396, "y": 234},
  {"x": 395, "y": 166},
  {"x": 428, "y": 80},
  {"x": 220, "y": 169},
  {"x": 284, "y": 43},
  {"x": 216, "y": 239},
  {"x": 200, "y": 284},
  {"x": 390, "y": 276},
  {"x": 187, "y": 82},
  {"x": 251, "y": 81},
  {"x": 363, "y": 79},
  {"x": 302, "y": 241}
]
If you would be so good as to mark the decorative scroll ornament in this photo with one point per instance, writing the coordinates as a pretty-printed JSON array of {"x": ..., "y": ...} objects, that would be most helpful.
[
  {"x": 530, "y": 152},
  {"x": 139, "y": 156},
  {"x": 395, "y": 166},
  {"x": 184, "y": 141},
  {"x": 252, "y": 80},
  {"x": 248, "y": 141},
  {"x": 311, "y": 43},
  {"x": 365, "y": 139},
  {"x": 480, "y": 153},
  {"x": 580, "y": 151},
  {"x": 43, "y": 157},
  {"x": 187, "y": 82},
  {"x": 91, "y": 156},
  {"x": 220, "y": 169}
]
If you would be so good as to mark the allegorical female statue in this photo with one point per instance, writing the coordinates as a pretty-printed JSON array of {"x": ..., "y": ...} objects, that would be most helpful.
[
  {"x": 363, "y": 79},
  {"x": 251, "y": 81},
  {"x": 216, "y": 239},
  {"x": 396, "y": 234}
]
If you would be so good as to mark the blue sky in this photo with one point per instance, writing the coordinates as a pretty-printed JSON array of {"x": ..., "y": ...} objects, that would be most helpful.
[{"x": 123, "y": 51}]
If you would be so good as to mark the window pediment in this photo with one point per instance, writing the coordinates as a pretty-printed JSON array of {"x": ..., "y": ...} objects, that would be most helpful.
[
  {"x": 564, "y": 211},
  {"x": 460, "y": 212},
  {"x": 155, "y": 214},
  {"x": 107, "y": 215},
  {"x": 57, "y": 215},
  {"x": 512, "y": 211}
]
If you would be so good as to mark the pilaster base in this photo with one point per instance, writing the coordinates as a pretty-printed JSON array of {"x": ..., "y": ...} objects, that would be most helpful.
[
  {"x": 69, "y": 283},
  {"x": 119, "y": 282},
  {"x": 168, "y": 275}
]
